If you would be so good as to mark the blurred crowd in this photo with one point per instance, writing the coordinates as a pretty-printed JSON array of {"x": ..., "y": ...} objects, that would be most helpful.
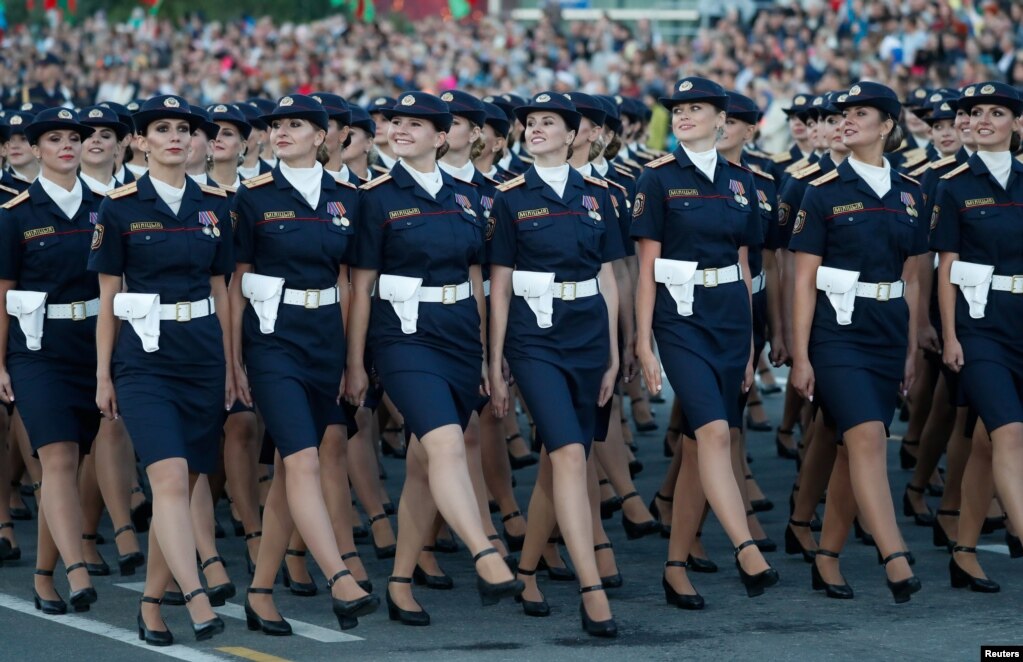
[{"x": 772, "y": 54}]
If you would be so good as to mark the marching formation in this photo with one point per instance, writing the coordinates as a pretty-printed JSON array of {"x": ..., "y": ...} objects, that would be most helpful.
[{"x": 252, "y": 300}]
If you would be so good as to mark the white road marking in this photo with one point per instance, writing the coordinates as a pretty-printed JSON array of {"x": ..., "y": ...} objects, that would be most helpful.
[
  {"x": 301, "y": 628},
  {"x": 997, "y": 549},
  {"x": 120, "y": 635}
]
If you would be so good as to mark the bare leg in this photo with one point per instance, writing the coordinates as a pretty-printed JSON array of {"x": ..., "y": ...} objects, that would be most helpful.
[
  {"x": 690, "y": 503},
  {"x": 115, "y": 469},
  {"x": 59, "y": 499},
  {"x": 337, "y": 496},
  {"x": 92, "y": 508},
  {"x": 497, "y": 471},
  {"x": 612, "y": 455},
  {"x": 839, "y": 512},
  {"x": 977, "y": 491},
  {"x": 365, "y": 479},
  {"x": 241, "y": 464},
  {"x": 474, "y": 458},
  {"x": 204, "y": 531},
  {"x": 958, "y": 454},
  {"x": 933, "y": 439},
  {"x": 416, "y": 515},
  {"x": 813, "y": 480}
]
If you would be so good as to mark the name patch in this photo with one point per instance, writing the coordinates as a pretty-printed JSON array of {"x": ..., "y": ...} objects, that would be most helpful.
[
  {"x": 533, "y": 213},
  {"x": 683, "y": 193},
  {"x": 39, "y": 232},
  {"x": 274, "y": 215},
  {"x": 402, "y": 213},
  {"x": 979, "y": 202},
  {"x": 842, "y": 209},
  {"x": 146, "y": 225}
]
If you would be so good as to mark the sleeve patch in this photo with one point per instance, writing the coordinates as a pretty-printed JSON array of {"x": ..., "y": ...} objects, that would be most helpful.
[
  {"x": 97, "y": 237},
  {"x": 800, "y": 222},
  {"x": 637, "y": 209}
]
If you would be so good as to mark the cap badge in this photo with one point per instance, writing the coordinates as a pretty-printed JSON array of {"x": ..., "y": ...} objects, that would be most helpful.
[
  {"x": 285, "y": 102},
  {"x": 987, "y": 89},
  {"x": 685, "y": 86},
  {"x": 543, "y": 98},
  {"x": 408, "y": 100},
  {"x": 65, "y": 115},
  {"x": 854, "y": 91},
  {"x": 447, "y": 97}
]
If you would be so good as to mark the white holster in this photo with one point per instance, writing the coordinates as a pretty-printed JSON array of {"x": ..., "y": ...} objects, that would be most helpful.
[
  {"x": 537, "y": 288},
  {"x": 680, "y": 279},
  {"x": 30, "y": 310},
  {"x": 974, "y": 280},
  {"x": 142, "y": 311},
  {"x": 840, "y": 286},
  {"x": 264, "y": 293},
  {"x": 403, "y": 293}
]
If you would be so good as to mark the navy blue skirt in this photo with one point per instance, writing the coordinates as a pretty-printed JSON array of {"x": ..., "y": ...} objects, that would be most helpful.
[{"x": 57, "y": 400}]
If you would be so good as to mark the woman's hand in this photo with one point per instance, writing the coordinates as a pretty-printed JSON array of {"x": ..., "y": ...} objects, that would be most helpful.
[
  {"x": 908, "y": 375},
  {"x": 498, "y": 393},
  {"x": 607, "y": 384},
  {"x": 802, "y": 378},
  {"x": 952, "y": 355},
  {"x": 106, "y": 398},
  {"x": 927, "y": 338},
  {"x": 779, "y": 350},
  {"x": 241, "y": 385},
  {"x": 485, "y": 379},
  {"x": 630, "y": 366},
  {"x": 230, "y": 392},
  {"x": 6, "y": 390},
  {"x": 651, "y": 368},
  {"x": 356, "y": 384},
  {"x": 747, "y": 380}
]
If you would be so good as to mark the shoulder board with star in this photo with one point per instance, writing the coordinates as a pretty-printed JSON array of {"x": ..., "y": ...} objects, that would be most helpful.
[
  {"x": 780, "y": 157},
  {"x": 624, "y": 172},
  {"x": 213, "y": 190},
  {"x": 259, "y": 180},
  {"x": 913, "y": 160},
  {"x": 941, "y": 163},
  {"x": 797, "y": 166},
  {"x": 957, "y": 171},
  {"x": 824, "y": 179},
  {"x": 636, "y": 165},
  {"x": 919, "y": 172},
  {"x": 122, "y": 191},
  {"x": 16, "y": 200},
  {"x": 376, "y": 181},
  {"x": 664, "y": 160},
  {"x": 595, "y": 180},
  {"x": 909, "y": 179},
  {"x": 811, "y": 169},
  {"x": 6, "y": 189},
  {"x": 512, "y": 183},
  {"x": 757, "y": 170}
]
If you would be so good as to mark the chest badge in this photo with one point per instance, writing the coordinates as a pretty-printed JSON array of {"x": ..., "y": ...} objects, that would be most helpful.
[
  {"x": 208, "y": 221},
  {"x": 338, "y": 213},
  {"x": 764, "y": 204},
  {"x": 907, "y": 199},
  {"x": 487, "y": 203},
  {"x": 466, "y": 205},
  {"x": 739, "y": 190},
  {"x": 590, "y": 203}
]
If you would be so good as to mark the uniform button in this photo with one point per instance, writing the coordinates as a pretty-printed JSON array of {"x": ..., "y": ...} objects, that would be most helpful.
[
  {"x": 147, "y": 237},
  {"x": 42, "y": 243},
  {"x": 685, "y": 204},
  {"x": 851, "y": 219},
  {"x": 982, "y": 212},
  {"x": 535, "y": 224},
  {"x": 280, "y": 227},
  {"x": 408, "y": 222}
]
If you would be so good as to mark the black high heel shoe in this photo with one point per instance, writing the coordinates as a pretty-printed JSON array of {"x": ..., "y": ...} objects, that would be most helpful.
[
  {"x": 1014, "y": 544},
  {"x": 920, "y": 519},
  {"x": 760, "y": 505},
  {"x": 666, "y": 445},
  {"x": 701, "y": 565},
  {"x": 556, "y": 573},
  {"x": 365, "y": 584},
  {"x": 206, "y": 629},
  {"x": 254, "y": 621},
  {"x": 514, "y": 543},
  {"x": 7, "y": 552},
  {"x": 792, "y": 544},
  {"x": 608, "y": 507},
  {"x": 906, "y": 459},
  {"x": 910, "y": 559},
  {"x": 445, "y": 545},
  {"x": 992, "y": 524},
  {"x": 901, "y": 590},
  {"x": 387, "y": 450},
  {"x": 22, "y": 514},
  {"x": 386, "y": 551},
  {"x": 250, "y": 563},
  {"x": 153, "y": 637},
  {"x": 142, "y": 513},
  {"x": 862, "y": 535},
  {"x": 783, "y": 451},
  {"x": 535, "y": 609},
  {"x": 396, "y": 613},
  {"x": 51, "y": 607},
  {"x": 763, "y": 544},
  {"x": 491, "y": 594},
  {"x": 680, "y": 600},
  {"x": 763, "y": 426},
  {"x": 836, "y": 591},
  {"x": 961, "y": 579},
  {"x": 637, "y": 530},
  {"x": 100, "y": 569},
  {"x": 81, "y": 599},
  {"x": 656, "y": 512},
  {"x": 938, "y": 536},
  {"x": 611, "y": 581},
  {"x": 435, "y": 582},
  {"x": 348, "y": 611},
  {"x": 755, "y": 584},
  {"x": 221, "y": 593},
  {"x": 128, "y": 563},
  {"x": 607, "y": 629},
  {"x": 520, "y": 461},
  {"x": 301, "y": 589}
]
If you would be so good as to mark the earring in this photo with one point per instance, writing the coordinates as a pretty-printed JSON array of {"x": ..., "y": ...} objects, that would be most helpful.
[{"x": 145, "y": 155}]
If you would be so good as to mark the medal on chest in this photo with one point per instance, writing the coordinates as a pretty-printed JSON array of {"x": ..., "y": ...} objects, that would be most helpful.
[
  {"x": 593, "y": 207},
  {"x": 487, "y": 203},
  {"x": 337, "y": 211},
  {"x": 208, "y": 221},
  {"x": 907, "y": 199},
  {"x": 764, "y": 203},
  {"x": 739, "y": 190},
  {"x": 464, "y": 202},
  {"x": 93, "y": 217}
]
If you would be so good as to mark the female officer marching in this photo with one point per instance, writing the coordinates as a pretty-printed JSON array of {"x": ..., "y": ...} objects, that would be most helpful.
[
  {"x": 47, "y": 340},
  {"x": 693, "y": 220},
  {"x": 979, "y": 236},
  {"x": 856, "y": 237},
  {"x": 165, "y": 370}
]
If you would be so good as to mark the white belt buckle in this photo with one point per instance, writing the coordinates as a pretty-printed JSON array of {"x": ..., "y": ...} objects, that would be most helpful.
[
  {"x": 78, "y": 311},
  {"x": 568, "y": 291},
  {"x": 312, "y": 299},
  {"x": 884, "y": 291},
  {"x": 1016, "y": 286},
  {"x": 710, "y": 277},
  {"x": 449, "y": 294},
  {"x": 183, "y": 311}
]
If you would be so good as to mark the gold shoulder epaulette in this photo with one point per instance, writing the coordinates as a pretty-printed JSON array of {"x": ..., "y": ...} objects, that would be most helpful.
[
  {"x": 824, "y": 179},
  {"x": 956, "y": 171},
  {"x": 908, "y": 178},
  {"x": 347, "y": 183},
  {"x": 7, "y": 189},
  {"x": 757, "y": 153},
  {"x": 229, "y": 189},
  {"x": 213, "y": 190},
  {"x": 122, "y": 191},
  {"x": 512, "y": 183},
  {"x": 941, "y": 163},
  {"x": 16, "y": 200},
  {"x": 658, "y": 162},
  {"x": 595, "y": 180},
  {"x": 376, "y": 181},
  {"x": 379, "y": 168},
  {"x": 780, "y": 157},
  {"x": 915, "y": 160},
  {"x": 617, "y": 186},
  {"x": 807, "y": 171},
  {"x": 797, "y": 166},
  {"x": 635, "y": 165},
  {"x": 526, "y": 158},
  {"x": 624, "y": 172},
  {"x": 258, "y": 180},
  {"x": 757, "y": 170},
  {"x": 919, "y": 172}
]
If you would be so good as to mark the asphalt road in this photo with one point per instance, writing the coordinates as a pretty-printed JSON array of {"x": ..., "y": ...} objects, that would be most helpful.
[{"x": 788, "y": 622}]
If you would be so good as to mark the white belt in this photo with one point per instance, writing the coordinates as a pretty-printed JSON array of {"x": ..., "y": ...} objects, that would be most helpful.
[
  {"x": 1013, "y": 284},
  {"x": 759, "y": 282},
  {"x": 186, "y": 311},
  {"x": 880, "y": 291},
  {"x": 77, "y": 311},
  {"x": 569, "y": 291},
  {"x": 715, "y": 277},
  {"x": 486, "y": 287},
  {"x": 539, "y": 290},
  {"x": 312, "y": 298},
  {"x": 681, "y": 277},
  {"x": 446, "y": 294}
]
